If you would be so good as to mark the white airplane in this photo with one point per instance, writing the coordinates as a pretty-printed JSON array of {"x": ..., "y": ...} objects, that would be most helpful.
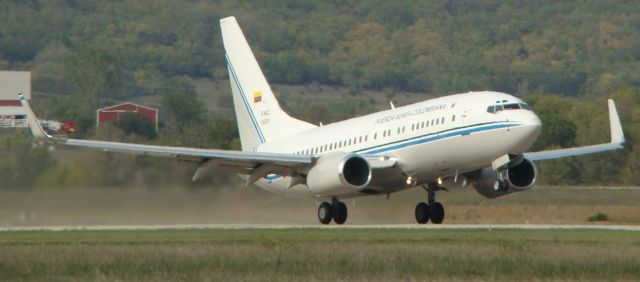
[{"x": 480, "y": 138}]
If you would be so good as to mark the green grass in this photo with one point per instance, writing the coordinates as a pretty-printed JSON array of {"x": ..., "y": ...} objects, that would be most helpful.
[{"x": 320, "y": 254}]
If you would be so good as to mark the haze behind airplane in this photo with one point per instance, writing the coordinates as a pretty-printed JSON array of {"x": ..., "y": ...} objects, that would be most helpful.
[{"x": 480, "y": 138}]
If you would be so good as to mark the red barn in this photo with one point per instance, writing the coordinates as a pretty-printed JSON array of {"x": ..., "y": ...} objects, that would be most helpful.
[{"x": 113, "y": 113}]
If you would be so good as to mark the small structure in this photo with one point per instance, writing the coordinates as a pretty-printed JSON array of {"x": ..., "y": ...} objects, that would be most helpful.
[
  {"x": 113, "y": 113},
  {"x": 13, "y": 83}
]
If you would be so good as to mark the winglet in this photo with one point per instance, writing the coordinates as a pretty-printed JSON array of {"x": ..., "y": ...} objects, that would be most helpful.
[
  {"x": 617, "y": 136},
  {"x": 34, "y": 125}
]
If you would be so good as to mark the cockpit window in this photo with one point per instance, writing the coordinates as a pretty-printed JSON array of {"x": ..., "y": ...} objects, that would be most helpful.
[
  {"x": 511, "y": 107},
  {"x": 494, "y": 109}
]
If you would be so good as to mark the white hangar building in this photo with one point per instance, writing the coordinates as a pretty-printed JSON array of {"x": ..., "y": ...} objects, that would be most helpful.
[{"x": 13, "y": 83}]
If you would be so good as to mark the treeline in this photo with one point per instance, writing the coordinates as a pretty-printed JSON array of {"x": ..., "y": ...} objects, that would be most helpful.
[{"x": 570, "y": 48}]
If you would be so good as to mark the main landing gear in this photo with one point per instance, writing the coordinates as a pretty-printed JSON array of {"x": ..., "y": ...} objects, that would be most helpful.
[
  {"x": 431, "y": 210},
  {"x": 335, "y": 210}
]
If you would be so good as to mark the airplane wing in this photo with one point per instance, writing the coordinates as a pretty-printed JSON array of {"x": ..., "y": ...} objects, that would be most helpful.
[
  {"x": 617, "y": 139},
  {"x": 237, "y": 161}
]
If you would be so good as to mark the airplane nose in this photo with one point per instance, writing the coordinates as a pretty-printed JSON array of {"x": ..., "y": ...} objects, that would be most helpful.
[
  {"x": 527, "y": 133},
  {"x": 534, "y": 124},
  {"x": 535, "y": 121}
]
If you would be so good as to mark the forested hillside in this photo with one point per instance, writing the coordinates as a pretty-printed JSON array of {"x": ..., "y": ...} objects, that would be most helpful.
[
  {"x": 564, "y": 57},
  {"x": 572, "y": 48}
]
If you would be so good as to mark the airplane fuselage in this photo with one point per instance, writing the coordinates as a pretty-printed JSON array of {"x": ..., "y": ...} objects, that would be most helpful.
[{"x": 434, "y": 138}]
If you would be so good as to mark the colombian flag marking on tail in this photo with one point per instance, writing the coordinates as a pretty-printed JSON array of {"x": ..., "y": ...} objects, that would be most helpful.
[{"x": 257, "y": 96}]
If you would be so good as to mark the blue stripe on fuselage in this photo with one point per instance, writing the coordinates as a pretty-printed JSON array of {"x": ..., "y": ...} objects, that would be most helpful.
[{"x": 438, "y": 136}]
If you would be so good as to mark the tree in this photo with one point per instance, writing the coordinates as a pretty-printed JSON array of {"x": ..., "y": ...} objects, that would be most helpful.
[
  {"x": 558, "y": 130},
  {"x": 181, "y": 105},
  {"x": 22, "y": 160}
]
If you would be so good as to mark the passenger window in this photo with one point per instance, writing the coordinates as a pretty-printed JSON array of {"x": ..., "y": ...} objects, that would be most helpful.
[
  {"x": 442, "y": 120},
  {"x": 453, "y": 118},
  {"x": 375, "y": 136},
  {"x": 360, "y": 139}
]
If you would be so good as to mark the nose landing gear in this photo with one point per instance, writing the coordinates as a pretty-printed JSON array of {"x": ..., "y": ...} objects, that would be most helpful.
[{"x": 431, "y": 210}]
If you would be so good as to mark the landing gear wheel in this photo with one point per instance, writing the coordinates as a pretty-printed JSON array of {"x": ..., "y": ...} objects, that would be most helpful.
[
  {"x": 422, "y": 213},
  {"x": 339, "y": 212},
  {"x": 325, "y": 213},
  {"x": 436, "y": 212}
]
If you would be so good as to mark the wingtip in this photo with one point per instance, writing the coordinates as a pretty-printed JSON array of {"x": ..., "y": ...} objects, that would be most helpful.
[
  {"x": 34, "y": 125},
  {"x": 617, "y": 135},
  {"x": 228, "y": 19}
]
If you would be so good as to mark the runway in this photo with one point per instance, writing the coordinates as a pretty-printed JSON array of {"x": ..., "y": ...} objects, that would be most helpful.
[{"x": 487, "y": 227}]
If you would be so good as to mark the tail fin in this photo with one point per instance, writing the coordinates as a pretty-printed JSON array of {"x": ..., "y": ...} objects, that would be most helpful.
[{"x": 260, "y": 118}]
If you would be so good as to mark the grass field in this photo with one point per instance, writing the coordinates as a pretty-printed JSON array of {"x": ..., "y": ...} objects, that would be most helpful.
[{"x": 320, "y": 254}]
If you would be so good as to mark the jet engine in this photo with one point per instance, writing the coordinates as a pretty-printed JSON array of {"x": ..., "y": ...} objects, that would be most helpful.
[
  {"x": 515, "y": 178},
  {"x": 338, "y": 173}
]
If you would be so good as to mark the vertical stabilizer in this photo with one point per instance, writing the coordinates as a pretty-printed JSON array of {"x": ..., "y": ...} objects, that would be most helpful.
[{"x": 260, "y": 118}]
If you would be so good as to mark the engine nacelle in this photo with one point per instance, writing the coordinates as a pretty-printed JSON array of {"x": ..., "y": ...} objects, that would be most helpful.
[
  {"x": 338, "y": 173},
  {"x": 520, "y": 177}
]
